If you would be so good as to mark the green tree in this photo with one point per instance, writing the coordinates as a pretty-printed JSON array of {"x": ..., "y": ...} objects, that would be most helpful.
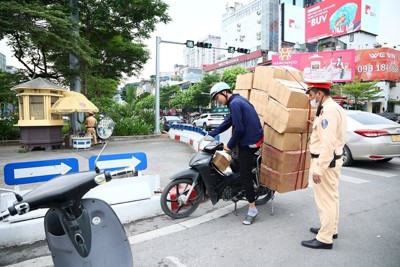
[
  {"x": 361, "y": 91},
  {"x": 7, "y": 81},
  {"x": 147, "y": 101},
  {"x": 229, "y": 75},
  {"x": 109, "y": 44},
  {"x": 128, "y": 93},
  {"x": 41, "y": 35},
  {"x": 167, "y": 93}
]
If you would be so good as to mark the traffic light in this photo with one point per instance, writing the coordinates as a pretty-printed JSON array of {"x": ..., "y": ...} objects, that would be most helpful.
[
  {"x": 204, "y": 45},
  {"x": 231, "y": 49},
  {"x": 243, "y": 50},
  {"x": 189, "y": 43}
]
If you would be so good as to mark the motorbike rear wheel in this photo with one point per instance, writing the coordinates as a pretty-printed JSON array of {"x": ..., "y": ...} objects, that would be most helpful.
[
  {"x": 172, "y": 198},
  {"x": 262, "y": 199}
]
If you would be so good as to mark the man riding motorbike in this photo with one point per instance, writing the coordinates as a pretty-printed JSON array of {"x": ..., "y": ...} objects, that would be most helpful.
[{"x": 247, "y": 137}]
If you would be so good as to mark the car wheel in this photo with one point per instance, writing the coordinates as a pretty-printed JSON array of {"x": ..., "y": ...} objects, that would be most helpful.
[
  {"x": 347, "y": 158},
  {"x": 205, "y": 126}
]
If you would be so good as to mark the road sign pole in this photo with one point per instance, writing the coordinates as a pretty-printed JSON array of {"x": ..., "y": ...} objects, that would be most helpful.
[{"x": 157, "y": 93}]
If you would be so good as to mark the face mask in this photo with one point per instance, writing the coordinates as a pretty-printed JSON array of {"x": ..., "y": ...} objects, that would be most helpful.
[{"x": 314, "y": 103}]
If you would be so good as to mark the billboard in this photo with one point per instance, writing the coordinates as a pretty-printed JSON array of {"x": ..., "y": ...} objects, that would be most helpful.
[
  {"x": 378, "y": 64},
  {"x": 335, "y": 66},
  {"x": 370, "y": 16},
  {"x": 293, "y": 23},
  {"x": 333, "y": 18}
]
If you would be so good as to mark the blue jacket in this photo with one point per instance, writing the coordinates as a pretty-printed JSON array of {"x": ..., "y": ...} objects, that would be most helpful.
[{"x": 247, "y": 129}]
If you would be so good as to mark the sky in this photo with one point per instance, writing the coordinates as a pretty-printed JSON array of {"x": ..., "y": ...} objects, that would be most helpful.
[{"x": 193, "y": 20}]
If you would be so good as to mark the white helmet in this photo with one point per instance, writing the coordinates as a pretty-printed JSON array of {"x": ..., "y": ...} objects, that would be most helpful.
[{"x": 217, "y": 88}]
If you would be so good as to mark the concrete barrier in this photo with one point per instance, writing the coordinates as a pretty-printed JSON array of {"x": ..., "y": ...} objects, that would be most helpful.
[{"x": 193, "y": 135}]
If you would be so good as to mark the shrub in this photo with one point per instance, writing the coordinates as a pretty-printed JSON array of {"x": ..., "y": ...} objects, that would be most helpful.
[
  {"x": 8, "y": 130},
  {"x": 129, "y": 126}
]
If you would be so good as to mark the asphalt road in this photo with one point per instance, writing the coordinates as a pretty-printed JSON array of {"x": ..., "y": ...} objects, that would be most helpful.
[{"x": 368, "y": 235}]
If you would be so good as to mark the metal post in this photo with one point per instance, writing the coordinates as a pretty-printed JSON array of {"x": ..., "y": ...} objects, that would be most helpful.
[
  {"x": 76, "y": 118},
  {"x": 157, "y": 93}
]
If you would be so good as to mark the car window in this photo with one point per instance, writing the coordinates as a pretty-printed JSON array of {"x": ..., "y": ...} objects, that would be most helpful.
[
  {"x": 369, "y": 119},
  {"x": 216, "y": 116}
]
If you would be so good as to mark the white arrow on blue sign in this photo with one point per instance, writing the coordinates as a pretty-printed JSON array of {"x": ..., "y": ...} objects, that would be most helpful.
[
  {"x": 38, "y": 171},
  {"x": 137, "y": 160}
]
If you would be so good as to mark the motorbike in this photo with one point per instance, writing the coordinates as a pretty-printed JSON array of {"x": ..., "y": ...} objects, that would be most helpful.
[
  {"x": 79, "y": 231},
  {"x": 203, "y": 180}
]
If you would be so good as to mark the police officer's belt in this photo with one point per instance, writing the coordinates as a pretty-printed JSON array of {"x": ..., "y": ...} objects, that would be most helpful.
[{"x": 315, "y": 156}]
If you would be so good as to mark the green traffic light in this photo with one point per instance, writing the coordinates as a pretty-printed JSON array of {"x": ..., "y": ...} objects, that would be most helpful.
[
  {"x": 231, "y": 49},
  {"x": 189, "y": 43}
]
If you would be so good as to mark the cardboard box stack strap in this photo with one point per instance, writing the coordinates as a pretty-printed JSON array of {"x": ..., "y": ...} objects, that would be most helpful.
[{"x": 278, "y": 95}]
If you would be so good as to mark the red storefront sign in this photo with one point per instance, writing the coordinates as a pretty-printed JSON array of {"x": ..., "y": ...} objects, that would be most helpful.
[
  {"x": 335, "y": 66},
  {"x": 378, "y": 64}
]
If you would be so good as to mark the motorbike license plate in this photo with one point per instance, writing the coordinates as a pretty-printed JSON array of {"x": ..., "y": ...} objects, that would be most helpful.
[{"x": 396, "y": 138}]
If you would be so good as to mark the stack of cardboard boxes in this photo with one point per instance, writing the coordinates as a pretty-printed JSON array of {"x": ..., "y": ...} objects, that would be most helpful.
[{"x": 278, "y": 95}]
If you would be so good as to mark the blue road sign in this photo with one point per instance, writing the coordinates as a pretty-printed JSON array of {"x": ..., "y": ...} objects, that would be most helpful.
[
  {"x": 38, "y": 171},
  {"x": 112, "y": 162}
]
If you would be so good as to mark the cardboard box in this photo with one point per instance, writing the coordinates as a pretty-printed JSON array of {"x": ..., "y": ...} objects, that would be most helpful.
[
  {"x": 243, "y": 92},
  {"x": 285, "y": 141},
  {"x": 283, "y": 182},
  {"x": 259, "y": 99},
  {"x": 264, "y": 74},
  {"x": 285, "y": 161},
  {"x": 288, "y": 120},
  {"x": 289, "y": 93},
  {"x": 221, "y": 161},
  {"x": 244, "y": 81}
]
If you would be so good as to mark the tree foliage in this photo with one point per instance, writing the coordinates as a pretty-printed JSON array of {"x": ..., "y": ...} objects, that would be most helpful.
[
  {"x": 361, "y": 91},
  {"x": 109, "y": 43},
  {"x": 7, "y": 81},
  {"x": 230, "y": 74},
  {"x": 167, "y": 93}
]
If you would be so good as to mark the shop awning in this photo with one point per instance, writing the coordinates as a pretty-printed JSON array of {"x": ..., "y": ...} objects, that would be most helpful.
[{"x": 73, "y": 102}]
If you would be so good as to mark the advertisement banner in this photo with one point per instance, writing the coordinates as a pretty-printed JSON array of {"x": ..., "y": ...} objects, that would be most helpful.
[
  {"x": 332, "y": 18},
  {"x": 370, "y": 16},
  {"x": 293, "y": 24},
  {"x": 378, "y": 64},
  {"x": 335, "y": 66}
]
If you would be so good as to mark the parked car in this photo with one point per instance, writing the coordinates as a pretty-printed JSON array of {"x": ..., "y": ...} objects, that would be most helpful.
[
  {"x": 389, "y": 115},
  {"x": 169, "y": 120},
  {"x": 370, "y": 137},
  {"x": 208, "y": 121}
]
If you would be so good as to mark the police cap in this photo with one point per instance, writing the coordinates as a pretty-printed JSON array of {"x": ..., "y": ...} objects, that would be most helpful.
[{"x": 318, "y": 84}]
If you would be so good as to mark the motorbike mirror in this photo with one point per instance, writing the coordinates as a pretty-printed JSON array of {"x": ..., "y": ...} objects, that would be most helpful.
[{"x": 105, "y": 128}]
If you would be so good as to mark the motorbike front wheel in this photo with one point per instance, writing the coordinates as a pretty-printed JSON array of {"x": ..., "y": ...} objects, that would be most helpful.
[{"x": 173, "y": 198}]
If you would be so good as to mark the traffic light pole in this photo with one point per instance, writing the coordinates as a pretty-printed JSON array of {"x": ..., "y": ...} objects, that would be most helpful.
[{"x": 157, "y": 92}]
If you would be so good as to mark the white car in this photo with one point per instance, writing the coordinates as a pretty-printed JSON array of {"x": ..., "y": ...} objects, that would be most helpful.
[
  {"x": 208, "y": 121},
  {"x": 370, "y": 137}
]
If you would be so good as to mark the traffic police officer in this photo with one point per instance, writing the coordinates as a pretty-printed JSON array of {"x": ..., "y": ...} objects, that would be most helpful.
[
  {"x": 326, "y": 147},
  {"x": 91, "y": 124}
]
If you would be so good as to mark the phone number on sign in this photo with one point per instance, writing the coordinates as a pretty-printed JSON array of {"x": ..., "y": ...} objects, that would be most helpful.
[{"x": 378, "y": 67}]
